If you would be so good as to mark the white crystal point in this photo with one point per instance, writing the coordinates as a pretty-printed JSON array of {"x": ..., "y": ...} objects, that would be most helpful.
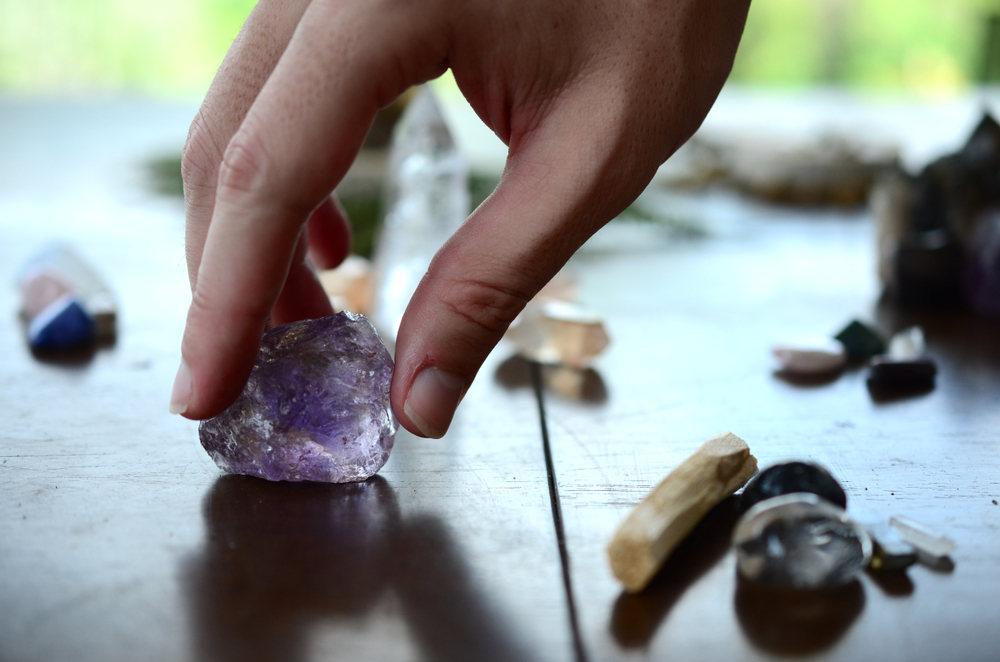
[
  {"x": 425, "y": 198},
  {"x": 908, "y": 344},
  {"x": 930, "y": 542},
  {"x": 560, "y": 333},
  {"x": 810, "y": 357}
]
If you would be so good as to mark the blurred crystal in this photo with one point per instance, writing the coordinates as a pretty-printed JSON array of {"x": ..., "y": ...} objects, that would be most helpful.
[
  {"x": 425, "y": 198},
  {"x": 907, "y": 344},
  {"x": 349, "y": 286},
  {"x": 982, "y": 273},
  {"x": 934, "y": 544},
  {"x": 800, "y": 541},
  {"x": 939, "y": 229},
  {"x": 559, "y": 333}
]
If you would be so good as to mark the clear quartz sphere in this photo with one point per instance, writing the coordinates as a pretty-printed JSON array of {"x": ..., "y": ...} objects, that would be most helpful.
[{"x": 800, "y": 541}]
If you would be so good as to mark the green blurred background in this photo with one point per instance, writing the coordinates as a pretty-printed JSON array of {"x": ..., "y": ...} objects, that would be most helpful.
[{"x": 171, "y": 49}]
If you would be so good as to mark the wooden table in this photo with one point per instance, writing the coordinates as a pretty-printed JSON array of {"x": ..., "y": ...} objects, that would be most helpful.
[{"x": 119, "y": 539}]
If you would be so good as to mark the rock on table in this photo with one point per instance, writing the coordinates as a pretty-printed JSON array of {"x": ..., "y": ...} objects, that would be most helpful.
[{"x": 315, "y": 407}]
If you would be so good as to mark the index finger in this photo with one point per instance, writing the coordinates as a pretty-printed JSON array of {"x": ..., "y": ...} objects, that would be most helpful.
[{"x": 295, "y": 144}]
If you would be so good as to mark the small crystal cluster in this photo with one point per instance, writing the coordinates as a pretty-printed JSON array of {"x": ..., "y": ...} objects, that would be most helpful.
[
  {"x": 315, "y": 407},
  {"x": 939, "y": 230}
]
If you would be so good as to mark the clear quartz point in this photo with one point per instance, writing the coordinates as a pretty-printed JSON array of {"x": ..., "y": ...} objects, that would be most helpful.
[
  {"x": 932, "y": 543},
  {"x": 800, "y": 541},
  {"x": 890, "y": 552},
  {"x": 425, "y": 198}
]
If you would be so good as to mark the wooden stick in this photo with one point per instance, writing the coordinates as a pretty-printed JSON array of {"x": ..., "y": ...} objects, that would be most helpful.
[{"x": 663, "y": 519}]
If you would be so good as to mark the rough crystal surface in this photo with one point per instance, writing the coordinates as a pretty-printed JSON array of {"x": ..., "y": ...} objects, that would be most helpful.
[
  {"x": 800, "y": 541},
  {"x": 316, "y": 406}
]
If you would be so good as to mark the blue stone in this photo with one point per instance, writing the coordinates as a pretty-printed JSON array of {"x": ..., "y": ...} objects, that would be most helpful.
[{"x": 63, "y": 324}]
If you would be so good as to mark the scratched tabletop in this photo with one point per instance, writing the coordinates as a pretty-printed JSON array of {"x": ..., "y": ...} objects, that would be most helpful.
[{"x": 120, "y": 539}]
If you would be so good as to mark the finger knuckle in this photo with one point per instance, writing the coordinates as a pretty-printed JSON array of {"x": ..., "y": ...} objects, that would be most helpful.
[
  {"x": 200, "y": 155},
  {"x": 485, "y": 305},
  {"x": 244, "y": 167}
]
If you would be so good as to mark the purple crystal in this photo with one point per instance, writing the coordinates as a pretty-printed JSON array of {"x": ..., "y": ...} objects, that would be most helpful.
[{"x": 316, "y": 406}]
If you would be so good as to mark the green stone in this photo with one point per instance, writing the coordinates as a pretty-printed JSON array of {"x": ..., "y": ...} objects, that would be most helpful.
[{"x": 860, "y": 340}]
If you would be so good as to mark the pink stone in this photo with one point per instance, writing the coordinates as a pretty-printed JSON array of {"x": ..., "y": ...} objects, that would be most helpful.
[{"x": 39, "y": 289}]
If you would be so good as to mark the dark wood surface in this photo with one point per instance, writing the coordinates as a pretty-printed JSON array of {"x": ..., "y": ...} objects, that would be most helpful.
[{"x": 119, "y": 539}]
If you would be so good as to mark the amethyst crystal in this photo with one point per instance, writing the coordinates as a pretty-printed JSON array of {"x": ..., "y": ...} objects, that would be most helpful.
[{"x": 316, "y": 406}]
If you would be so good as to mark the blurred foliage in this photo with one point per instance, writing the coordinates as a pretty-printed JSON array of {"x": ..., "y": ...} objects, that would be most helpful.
[
  {"x": 925, "y": 46},
  {"x": 173, "y": 48},
  {"x": 364, "y": 208}
]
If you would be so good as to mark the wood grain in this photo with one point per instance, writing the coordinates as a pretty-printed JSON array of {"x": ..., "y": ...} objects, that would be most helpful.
[{"x": 691, "y": 324}]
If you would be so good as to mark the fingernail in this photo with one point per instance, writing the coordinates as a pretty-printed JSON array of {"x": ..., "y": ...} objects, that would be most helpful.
[
  {"x": 432, "y": 401},
  {"x": 181, "y": 394}
]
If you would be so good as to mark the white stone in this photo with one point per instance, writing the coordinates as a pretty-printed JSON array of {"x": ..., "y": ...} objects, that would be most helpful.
[{"x": 908, "y": 344}]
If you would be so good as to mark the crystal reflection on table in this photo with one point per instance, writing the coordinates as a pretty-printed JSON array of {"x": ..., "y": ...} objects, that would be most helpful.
[{"x": 286, "y": 563}]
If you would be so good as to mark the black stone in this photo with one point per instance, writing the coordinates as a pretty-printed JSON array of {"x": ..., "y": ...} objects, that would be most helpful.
[
  {"x": 888, "y": 373},
  {"x": 860, "y": 340},
  {"x": 927, "y": 270},
  {"x": 792, "y": 477}
]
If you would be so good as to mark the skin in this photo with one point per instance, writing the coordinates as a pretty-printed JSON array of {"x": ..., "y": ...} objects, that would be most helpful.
[{"x": 590, "y": 96}]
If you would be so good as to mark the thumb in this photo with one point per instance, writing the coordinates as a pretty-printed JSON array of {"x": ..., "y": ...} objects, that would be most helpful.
[{"x": 557, "y": 189}]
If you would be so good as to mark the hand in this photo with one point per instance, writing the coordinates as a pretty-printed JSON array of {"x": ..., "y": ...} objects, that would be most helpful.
[{"x": 590, "y": 96}]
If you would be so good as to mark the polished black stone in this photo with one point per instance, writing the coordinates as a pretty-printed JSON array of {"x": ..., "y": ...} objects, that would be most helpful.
[
  {"x": 889, "y": 373},
  {"x": 790, "y": 477}
]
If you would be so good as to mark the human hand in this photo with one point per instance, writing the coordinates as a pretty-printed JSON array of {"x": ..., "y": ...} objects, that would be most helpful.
[{"x": 590, "y": 96}]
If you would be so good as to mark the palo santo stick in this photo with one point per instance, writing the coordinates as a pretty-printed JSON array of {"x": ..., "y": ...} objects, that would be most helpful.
[{"x": 661, "y": 521}]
